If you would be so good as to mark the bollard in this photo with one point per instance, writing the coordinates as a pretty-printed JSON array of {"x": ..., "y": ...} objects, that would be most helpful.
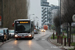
[
  {"x": 63, "y": 33},
  {"x": 69, "y": 42},
  {"x": 56, "y": 33},
  {"x": 57, "y": 39},
  {"x": 64, "y": 41},
  {"x": 61, "y": 40}
]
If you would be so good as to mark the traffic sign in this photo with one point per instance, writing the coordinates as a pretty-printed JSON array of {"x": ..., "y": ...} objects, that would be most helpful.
[{"x": 73, "y": 17}]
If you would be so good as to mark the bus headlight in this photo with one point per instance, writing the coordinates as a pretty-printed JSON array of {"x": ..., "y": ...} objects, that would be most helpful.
[
  {"x": 16, "y": 35},
  {"x": 29, "y": 35}
]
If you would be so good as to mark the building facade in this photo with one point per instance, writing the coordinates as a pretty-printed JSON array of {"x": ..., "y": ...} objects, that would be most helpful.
[
  {"x": 11, "y": 10},
  {"x": 45, "y": 12}
]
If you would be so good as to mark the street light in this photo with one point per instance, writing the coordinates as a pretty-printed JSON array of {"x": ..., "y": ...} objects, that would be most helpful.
[
  {"x": 36, "y": 22},
  {"x": 30, "y": 15}
]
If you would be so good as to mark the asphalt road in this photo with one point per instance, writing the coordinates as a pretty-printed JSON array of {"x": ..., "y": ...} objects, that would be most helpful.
[{"x": 38, "y": 43}]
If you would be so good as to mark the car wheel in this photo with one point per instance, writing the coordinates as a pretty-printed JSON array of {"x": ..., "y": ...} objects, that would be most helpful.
[
  {"x": 8, "y": 39},
  {"x": 2, "y": 40},
  {"x": 17, "y": 38}
]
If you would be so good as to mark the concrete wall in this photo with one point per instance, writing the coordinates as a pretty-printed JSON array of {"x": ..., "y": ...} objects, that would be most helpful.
[
  {"x": 13, "y": 9},
  {"x": 0, "y": 7}
]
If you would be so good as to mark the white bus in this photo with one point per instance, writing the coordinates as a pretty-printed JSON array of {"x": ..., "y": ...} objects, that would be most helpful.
[{"x": 23, "y": 28}]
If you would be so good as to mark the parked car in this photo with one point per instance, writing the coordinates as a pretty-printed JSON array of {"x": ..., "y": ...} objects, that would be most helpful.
[
  {"x": 4, "y": 34},
  {"x": 11, "y": 32},
  {"x": 35, "y": 31}
]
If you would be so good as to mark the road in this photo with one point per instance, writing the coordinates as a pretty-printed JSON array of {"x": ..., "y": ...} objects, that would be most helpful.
[{"x": 38, "y": 43}]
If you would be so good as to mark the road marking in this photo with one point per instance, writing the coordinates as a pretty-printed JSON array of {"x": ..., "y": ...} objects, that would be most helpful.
[
  {"x": 42, "y": 39},
  {"x": 47, "y": 49}
]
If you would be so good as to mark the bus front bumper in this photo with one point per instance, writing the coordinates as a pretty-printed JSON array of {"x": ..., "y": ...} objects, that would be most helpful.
[{"x": 23, "y": 37}]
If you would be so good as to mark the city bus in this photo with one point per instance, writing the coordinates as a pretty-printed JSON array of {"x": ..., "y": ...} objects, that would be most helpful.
[{"x": 23, "y": 28}]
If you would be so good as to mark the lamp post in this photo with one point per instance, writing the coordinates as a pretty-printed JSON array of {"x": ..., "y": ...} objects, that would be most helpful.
[
  {"x": 36, "y": 22},
  {"x": 30, "y": 15}
]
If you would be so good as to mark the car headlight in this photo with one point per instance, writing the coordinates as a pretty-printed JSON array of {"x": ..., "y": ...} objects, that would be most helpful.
[
  {"x": 16, "y": 35},
  {"x": 41, "y": 30},
  {"x": 30, "y": 35},
  {"x": 44, "y": 30}
]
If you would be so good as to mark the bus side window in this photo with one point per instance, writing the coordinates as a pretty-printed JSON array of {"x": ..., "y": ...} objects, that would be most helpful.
[{"x": 31, "y": 27}]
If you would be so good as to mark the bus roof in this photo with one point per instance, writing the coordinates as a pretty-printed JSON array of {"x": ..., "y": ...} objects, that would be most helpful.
[{"x": 21, "y": 19}]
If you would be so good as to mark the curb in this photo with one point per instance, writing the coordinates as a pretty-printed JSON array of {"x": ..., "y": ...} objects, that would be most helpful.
[
  {"x": 1, "y": 44},
  {"x": 48, "y": 39},
  {"x": 5, "y": 42}
]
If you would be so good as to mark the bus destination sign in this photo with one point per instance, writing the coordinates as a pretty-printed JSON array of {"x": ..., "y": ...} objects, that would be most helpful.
[{"x": 23, "y": 22}]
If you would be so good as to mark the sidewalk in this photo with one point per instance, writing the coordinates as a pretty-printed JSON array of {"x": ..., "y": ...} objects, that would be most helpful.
[
  {"x": 54, "y": 41},
  {"x": 73, "y": 37},
  {"x": 1, "y": 43}
]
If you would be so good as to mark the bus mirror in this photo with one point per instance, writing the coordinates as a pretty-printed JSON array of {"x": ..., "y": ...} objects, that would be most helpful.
[{"x": 13, "y": 24}]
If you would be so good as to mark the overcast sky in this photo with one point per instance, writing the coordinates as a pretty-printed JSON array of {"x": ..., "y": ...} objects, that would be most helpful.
[
  {"x": 55, "y": 2},
  {"x": 35, "y": 8}
]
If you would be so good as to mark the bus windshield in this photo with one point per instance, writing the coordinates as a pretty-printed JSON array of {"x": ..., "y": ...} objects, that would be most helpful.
[{"x": 22, "y": 28}]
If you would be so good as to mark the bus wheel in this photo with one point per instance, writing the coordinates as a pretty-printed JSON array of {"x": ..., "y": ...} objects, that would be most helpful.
[{"x": 32, "y": 38}]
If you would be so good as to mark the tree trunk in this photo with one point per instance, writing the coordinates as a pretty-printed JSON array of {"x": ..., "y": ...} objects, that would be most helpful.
[{"x": 58, "y": 31}]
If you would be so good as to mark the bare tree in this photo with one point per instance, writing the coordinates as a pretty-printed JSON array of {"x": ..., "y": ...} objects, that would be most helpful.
[{"x": 68, "y": 10}]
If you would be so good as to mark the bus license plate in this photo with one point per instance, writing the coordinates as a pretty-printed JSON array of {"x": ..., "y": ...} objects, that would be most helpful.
[{"x": 22, "y": 36}]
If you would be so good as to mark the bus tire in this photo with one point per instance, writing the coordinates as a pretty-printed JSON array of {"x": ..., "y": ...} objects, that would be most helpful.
[{"x": 32, "y": 38}]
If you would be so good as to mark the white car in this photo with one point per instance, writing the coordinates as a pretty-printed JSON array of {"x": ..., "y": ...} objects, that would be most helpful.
[
  {"x": 11, "y": 32},
  {"x": 35, "y": 31},
  {"x": 43, "y": 30}
]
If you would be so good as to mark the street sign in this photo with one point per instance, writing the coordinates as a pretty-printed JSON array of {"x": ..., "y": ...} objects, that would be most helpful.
[{"x": 73, "y": 17}]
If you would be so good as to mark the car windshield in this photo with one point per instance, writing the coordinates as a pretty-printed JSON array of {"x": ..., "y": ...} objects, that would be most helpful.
[
  {"x": 1, "y": 31},
  {"x": 11, "y": 31},
  {"x": 22, "y": 28}
]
